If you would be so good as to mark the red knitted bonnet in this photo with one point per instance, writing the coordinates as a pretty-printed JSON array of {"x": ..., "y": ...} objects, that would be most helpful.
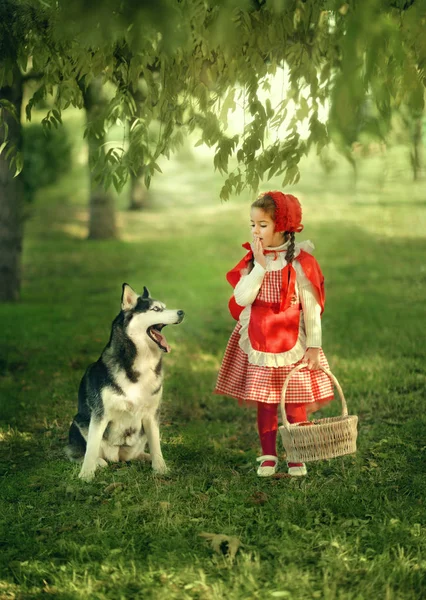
[{"x": 288, "y": 212}]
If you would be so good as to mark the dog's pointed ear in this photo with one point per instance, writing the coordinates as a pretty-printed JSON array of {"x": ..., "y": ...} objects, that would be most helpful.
[
  {"x": 146, "y": 293},
  {"x": 129, "y": 297}
]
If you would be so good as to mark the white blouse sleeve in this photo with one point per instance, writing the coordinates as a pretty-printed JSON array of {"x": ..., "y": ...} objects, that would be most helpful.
[
  {"x": 311, "y": 308},
  {"x": 248, "y": 287}
]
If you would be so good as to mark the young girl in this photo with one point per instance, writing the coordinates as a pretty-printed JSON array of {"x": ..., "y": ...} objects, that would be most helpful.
[{"x": 278, "y": 301}]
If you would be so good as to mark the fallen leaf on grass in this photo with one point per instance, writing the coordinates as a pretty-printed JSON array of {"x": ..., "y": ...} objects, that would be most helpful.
[
  {"x": 223, "y": 544},
  {"x": 259, "y": 497},
  {"x": 36, "y": 485},
  {"x": 113, "y": 486}
]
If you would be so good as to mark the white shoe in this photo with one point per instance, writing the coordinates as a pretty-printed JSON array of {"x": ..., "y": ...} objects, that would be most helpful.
[
  {"x": 267, "y": 471},
  {"x": 298, "y": 471}
]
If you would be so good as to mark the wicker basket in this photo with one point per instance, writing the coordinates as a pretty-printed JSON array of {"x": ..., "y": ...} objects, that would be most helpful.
[{"x": 320, "y": 438}]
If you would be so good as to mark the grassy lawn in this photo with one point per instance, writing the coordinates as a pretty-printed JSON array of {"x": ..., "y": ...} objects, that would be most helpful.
[{"x": 353, "y": 529}]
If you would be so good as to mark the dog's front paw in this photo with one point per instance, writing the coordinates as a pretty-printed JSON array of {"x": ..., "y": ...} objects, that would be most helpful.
[
  {"x": 86, "y": 475},
  {"x": 159, "y": 466}
]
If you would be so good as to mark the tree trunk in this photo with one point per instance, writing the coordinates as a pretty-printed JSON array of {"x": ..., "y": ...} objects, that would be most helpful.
[
  {"x": 11, "y": 199},
  {"x": 417, "y": 148},
  {"x": 102, "y": 222},
  {"x": 138, "y": 191}
]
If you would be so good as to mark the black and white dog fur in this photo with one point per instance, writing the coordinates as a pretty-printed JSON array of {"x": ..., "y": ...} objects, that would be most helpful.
[{"x": 120, "y": 394}]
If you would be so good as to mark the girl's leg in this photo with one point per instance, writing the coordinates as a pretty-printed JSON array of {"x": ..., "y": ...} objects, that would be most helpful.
[
  {"x": 267, "y": 424},
  {"x": 296, "y": 413}
]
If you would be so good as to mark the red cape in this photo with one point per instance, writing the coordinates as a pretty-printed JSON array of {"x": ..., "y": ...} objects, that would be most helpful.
[{"x": 309, "y": 265}]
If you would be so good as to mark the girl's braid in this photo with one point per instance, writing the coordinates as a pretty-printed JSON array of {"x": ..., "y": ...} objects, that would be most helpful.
[{"x": 290, "y": 250}]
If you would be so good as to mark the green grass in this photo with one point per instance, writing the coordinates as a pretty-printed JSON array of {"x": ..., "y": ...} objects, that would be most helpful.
[{"x": 353, "y": 529}]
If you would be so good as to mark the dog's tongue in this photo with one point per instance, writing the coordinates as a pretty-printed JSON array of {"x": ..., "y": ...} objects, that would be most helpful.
[{"x": 161, "y": 339}]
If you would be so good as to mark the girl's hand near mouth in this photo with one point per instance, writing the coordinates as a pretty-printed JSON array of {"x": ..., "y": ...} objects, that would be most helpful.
[{"x": 259, "y": 257}]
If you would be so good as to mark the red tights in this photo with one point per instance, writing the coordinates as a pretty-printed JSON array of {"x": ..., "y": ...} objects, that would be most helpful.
[{"x": 267, "y": 424}]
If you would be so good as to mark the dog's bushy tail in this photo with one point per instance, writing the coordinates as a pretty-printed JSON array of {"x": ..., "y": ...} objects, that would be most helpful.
[
  {"x": 74, "y": 454},
  {"x": 76, "y": 448}
]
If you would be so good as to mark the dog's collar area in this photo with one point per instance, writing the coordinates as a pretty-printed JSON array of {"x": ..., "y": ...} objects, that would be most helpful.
[{"x": 157, "y": 336}]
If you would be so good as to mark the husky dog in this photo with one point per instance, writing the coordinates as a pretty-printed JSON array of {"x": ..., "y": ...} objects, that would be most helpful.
[{"x": 119, "y": 394}]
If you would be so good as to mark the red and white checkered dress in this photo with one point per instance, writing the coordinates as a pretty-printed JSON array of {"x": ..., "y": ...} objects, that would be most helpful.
[{"x": 248, "y": 382}]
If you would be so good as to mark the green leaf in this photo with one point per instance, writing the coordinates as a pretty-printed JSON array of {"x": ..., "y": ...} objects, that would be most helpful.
[
  {"x": 57, "y": 115},
  {"x": 228, "y": 105},
  {"x": 19, "y": 164},
  {"x": 10, "y": 151},
  {"x": 11, "y": 108},
  {"x": 303, "y": 111}
]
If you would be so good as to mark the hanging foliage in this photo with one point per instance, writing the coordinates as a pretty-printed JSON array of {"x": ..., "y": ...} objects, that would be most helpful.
[{"x": 198, "y": 60}]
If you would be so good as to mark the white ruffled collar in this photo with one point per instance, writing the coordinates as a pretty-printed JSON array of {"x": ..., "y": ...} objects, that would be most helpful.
[
  {"x": 306, "y": 246},
  {"x": 278, "y": 248}
]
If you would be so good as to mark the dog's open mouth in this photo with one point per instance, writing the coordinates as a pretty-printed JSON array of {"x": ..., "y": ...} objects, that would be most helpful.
[{"x": 156, "y": 335}]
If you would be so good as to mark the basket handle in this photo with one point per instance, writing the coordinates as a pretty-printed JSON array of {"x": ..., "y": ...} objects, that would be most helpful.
[{"x": 327, "y": 372}]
